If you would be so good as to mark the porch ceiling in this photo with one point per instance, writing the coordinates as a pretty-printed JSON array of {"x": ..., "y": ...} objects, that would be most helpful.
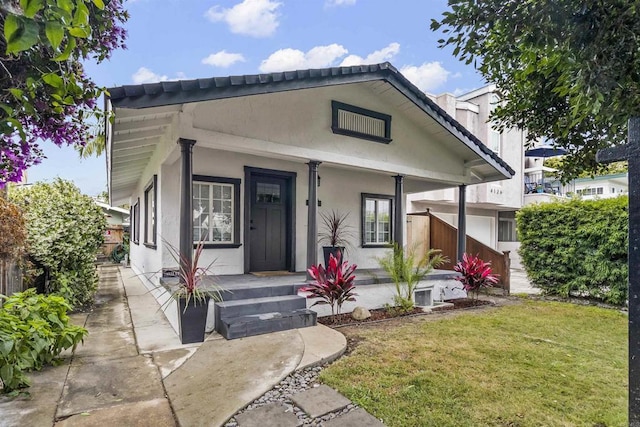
[{"x": 134, "y": 138}]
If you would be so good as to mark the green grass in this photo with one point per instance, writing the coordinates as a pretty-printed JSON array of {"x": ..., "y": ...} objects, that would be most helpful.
[{"x": 530, "y": 364}]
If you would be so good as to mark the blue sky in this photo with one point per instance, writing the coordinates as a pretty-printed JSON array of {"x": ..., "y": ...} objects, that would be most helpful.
[{"x": 188, "y": 39}]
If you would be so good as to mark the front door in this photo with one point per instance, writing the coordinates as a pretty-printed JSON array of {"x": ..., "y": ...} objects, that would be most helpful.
[{"x": 268, "y": 223}]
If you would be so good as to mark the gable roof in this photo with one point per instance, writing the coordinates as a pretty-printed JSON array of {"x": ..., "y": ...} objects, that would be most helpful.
[{"x": 207, "y": 89}]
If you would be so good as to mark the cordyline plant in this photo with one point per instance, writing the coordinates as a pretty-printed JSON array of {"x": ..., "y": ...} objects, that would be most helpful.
[
  {"x": 476, "y": 274},
  {"x": 333, "y": 285},
  {"x": 337, "y": 231},
  {"x": 192, "y": 277}
]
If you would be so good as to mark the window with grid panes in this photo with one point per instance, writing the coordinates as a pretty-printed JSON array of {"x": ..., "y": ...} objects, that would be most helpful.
[{"x": 376, "y": 220}]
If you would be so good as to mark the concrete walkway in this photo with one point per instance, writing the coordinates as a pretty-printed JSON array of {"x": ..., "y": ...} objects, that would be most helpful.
[
  {"x": 133, "y": 370},
  {"x": 520, "y": 283}
]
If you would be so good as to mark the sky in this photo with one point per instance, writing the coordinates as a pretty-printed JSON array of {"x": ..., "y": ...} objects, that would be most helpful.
[{"x": 189, "y": 39}]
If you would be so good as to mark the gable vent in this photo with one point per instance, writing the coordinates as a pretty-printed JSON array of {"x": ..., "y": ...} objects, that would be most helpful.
[{"x": 360, "y": 123}]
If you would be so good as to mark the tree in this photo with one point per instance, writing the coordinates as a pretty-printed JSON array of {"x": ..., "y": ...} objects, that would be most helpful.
[
  {"x": 44, "y": 93},
  {"x": 566, "y": 70},
  {"x": 65, "y": 230}
]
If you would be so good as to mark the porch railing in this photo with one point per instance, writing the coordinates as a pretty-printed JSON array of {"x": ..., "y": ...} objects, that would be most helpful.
[{"x": 444, "y": 236}]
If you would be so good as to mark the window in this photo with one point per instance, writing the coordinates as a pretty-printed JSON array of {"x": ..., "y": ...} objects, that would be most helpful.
[
  {"x": 135, "y": 223},
  {"x": 360, "y": 123},
  {"x": 216, "y": 211},
  {"x": 507, "y": 231},
  {"x": 591, "y": 191},
  {"x": 150, "y": 195},
  {"x": 376, "y": 220},
  {"x": 494, "y": 140}
]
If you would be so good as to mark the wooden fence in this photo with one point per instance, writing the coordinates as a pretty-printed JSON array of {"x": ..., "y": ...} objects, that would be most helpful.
[
  {"x": 444, "y": 236},
  {"x": 112, "y": 238},
  {"x": 10, "y": 278}
]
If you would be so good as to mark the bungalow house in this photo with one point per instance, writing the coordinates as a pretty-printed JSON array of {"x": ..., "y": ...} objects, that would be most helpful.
[{"x": 247, "y": 163}]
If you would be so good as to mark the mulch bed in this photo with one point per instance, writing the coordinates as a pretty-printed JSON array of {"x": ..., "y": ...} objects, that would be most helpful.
[
  {"x": 459, "y": 304},
  {"x": 376, "y": 314},
  {"x": 384, "y": 314}
]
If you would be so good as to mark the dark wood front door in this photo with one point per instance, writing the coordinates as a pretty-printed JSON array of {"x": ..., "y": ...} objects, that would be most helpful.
[{"x": 269, "y": 223}]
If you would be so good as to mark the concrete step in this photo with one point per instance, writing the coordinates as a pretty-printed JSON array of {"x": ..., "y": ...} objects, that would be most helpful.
[
  {"x": 250, "y": 306},
  {"x": 261, "y": 291},
  {"x": 264, "y": 323}
]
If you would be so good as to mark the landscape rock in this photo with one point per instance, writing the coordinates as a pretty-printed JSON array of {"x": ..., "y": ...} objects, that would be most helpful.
[{"x": 360, "y": 313}]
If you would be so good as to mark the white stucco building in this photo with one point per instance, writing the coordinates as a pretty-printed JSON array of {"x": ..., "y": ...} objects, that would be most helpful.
[
  {"x": 246, "y": 163},
  {"x": 491, "y": 206}
]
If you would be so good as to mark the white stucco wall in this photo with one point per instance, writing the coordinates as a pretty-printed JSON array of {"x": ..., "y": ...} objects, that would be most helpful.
[{"x": 298, "y": 124}]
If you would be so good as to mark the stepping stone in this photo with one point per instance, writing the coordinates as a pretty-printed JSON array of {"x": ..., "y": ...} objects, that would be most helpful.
[
  {"x": 357, "y": 418},
  {"x": 273, "y": 414},
  {"x": 319, "y": 401}
]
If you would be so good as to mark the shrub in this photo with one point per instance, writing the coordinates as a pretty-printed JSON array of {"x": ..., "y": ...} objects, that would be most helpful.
[
  {"x": 406, "y": 271},
  {"x": 64, "y": 231},
  {"x": 577, "y": 247},
  {"x": 34, "y": 330},
  {"x": 12, "y": 230},
  {"x": 333, "y": 285},
  {"x": 475, "y": 274}
]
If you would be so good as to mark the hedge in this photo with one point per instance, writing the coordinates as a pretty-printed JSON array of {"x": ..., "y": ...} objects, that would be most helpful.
[
  {"x": 577, "y": 247},
  {"x": 64, "y": 232}
]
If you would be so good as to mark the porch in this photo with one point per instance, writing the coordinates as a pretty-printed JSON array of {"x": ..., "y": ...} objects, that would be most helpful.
[{"x": 255, "y": 304}]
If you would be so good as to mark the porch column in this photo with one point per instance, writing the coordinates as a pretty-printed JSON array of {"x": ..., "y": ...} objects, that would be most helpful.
[
  {"x": 462, "y": 220},
  {"x": 186, "y": 201},
  {"x": 398, "y": 236},
  {"x": 312, "y": 216}
]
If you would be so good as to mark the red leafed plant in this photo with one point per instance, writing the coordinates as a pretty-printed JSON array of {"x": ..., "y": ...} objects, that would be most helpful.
[
  {"x": 476, "y": 274},
  {"x": 333, "y": 285}
]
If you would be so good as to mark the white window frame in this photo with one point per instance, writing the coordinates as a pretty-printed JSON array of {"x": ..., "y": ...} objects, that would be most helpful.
[{"x": 230, "y": 221}]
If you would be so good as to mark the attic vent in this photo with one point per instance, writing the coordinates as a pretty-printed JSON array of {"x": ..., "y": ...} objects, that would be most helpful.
[{"x": 360, "y": 123}]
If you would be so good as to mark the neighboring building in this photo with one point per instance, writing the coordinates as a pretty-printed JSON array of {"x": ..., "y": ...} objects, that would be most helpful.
[
  {"x": 491, "y": 206},
  {"x": 602, "y": 187},
  {"x": 237, "y": 161},
  {"x": 117, "y": 224}
]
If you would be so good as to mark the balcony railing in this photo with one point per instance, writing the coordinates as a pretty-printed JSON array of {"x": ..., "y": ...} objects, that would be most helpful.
[{"x": 542, "y": 179}]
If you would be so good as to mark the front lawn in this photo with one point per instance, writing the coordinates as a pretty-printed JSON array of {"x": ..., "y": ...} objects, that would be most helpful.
[{"x": 530, "y": 364}]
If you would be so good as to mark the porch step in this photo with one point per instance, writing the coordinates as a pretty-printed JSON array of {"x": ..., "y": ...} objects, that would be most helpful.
[
  {"x": 249, "y": 306},
  {"x": 264, "y": 323},
  {"x": 262, "y": 291}
]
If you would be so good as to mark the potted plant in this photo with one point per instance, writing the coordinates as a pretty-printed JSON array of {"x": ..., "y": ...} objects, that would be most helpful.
[
  {"x": 193, "y": 293},
  {"x": 333, "y": 285},
  {"x": 406, "y": 271},
  {"x": 335, "y": 234},
  {"x": 475, "y": 274}
]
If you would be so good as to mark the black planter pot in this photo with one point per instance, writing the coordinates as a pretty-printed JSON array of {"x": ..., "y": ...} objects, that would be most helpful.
[
  {"x": 332, "y": 250},
  {"x": 193, "y": 320}
]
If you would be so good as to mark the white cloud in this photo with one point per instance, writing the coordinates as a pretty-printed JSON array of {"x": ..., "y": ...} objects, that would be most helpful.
[
  {"x": 330, "y": 3},
  {"x": 256, "y": 18},
  {"x": 382, "y": 55},
  {"x": 427, "y": 76},
  {"x": 223, "y": 59},
  {"x": 292, "y": 59},
  {"x": 145, "y": 75}
]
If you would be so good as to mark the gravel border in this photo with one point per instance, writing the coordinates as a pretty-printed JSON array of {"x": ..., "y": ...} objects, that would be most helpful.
[{"x": 296, "y": 382}]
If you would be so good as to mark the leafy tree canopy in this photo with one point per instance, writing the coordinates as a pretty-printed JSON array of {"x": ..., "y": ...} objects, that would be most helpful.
[
  {"x": 566, "y": 70},
  {"x": 44, "y": 93}
]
